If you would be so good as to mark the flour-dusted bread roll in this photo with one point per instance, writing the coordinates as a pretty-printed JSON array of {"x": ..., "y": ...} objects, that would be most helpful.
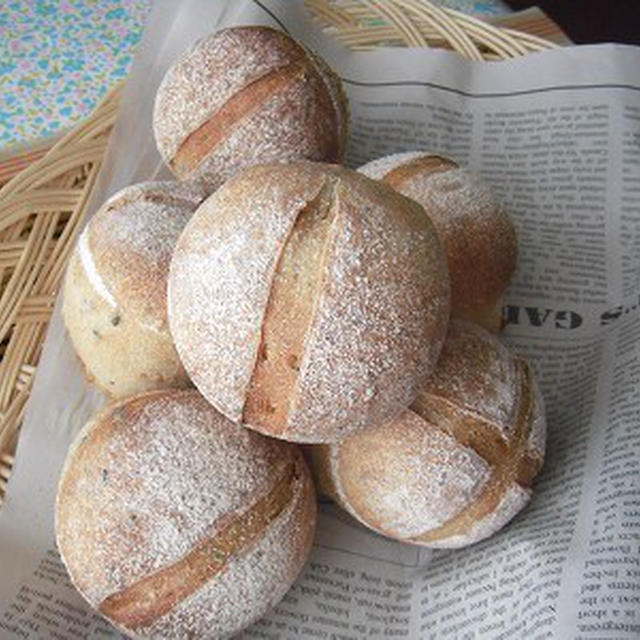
[
  {"x": 115, "y": 305},
  {"x": 456, "y": 466},
  {"x": 478, "y": 237},
  {"x": 175, "y": 523},
  {"x": 308, "y": 301},
  {"x": 243, "y": 96}
]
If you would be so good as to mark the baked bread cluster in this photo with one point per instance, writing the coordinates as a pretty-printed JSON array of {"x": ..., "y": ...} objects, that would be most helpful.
[{"x": 270, "y": 297}]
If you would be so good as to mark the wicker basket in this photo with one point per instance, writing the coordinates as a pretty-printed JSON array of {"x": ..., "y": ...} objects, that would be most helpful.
[{"x": 42, "y": 208}]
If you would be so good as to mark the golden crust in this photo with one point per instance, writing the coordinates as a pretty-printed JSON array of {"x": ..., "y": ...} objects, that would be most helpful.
[
  {"x": 459, "y": 464},
  {"x": 118, "y": 354},
  {"x": 331, "y": 285},
  {"x": 114, "y": 303},
  {"x": 131, "y": 239},
  {"x": 478, "y": 237},
  {"x": 162, "y": 502},
  {"x": 246, "y": 95}
]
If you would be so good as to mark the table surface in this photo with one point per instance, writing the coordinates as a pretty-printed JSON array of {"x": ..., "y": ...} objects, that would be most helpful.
[{"x": 59, "y": 57}]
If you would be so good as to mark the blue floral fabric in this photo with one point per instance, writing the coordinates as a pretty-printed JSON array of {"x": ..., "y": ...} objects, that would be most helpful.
[{"x": 59, "y": 57}]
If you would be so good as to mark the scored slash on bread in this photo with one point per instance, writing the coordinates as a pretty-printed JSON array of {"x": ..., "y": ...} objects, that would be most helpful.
[
  {"x": 289, "y": 313},
  {"x": 246, "y": 102},
  {"x": 414, "y": 167},
  {"x": 512, "y": 469},
  {"x": 132, "y": 608}
]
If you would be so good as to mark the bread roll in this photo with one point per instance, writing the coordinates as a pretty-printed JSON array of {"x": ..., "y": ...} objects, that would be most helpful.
[
  {"x": 115, "y": 288},
  {"x": 243, "y": 96},
  {"x": 175, "y": 523},
  {"x": 456, "y": 466},
  {"x": 308, "y": 301},
  {"x": 478, "y": 238}
]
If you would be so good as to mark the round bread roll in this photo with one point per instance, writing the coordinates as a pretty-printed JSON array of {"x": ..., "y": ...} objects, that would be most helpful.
[
  {"x": 115, "y": 288},
  {"x": 243, "y": 96},
  {"x": 478, "y": 237},
  {"x": 308, "y": 301},
  {"x": 456, "y": 466},
  {"x": 175, "y": 523}
]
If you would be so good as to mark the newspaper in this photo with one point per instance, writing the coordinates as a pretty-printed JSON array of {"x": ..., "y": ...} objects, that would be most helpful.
[{"x": 557, "y": 134}]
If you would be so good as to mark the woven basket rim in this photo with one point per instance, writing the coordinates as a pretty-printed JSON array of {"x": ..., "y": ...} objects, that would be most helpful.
[{"x": 420, "y": 23}]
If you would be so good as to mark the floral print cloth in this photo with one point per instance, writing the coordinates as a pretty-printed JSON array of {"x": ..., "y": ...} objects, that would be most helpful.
[{"x": 59, "y": 57}]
